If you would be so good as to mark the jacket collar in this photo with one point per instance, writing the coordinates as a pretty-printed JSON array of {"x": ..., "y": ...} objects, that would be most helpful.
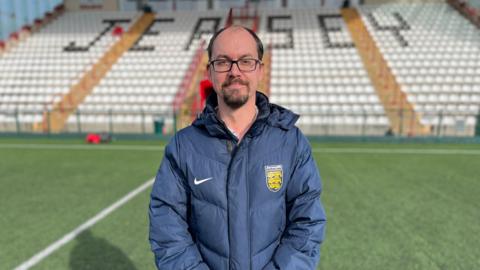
[{"x": 268, "y": 114}]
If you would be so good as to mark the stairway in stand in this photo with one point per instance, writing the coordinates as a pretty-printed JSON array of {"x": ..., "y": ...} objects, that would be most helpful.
[
  {"x": 55, "y": 120},
  {"x": 400, "y": 112}
]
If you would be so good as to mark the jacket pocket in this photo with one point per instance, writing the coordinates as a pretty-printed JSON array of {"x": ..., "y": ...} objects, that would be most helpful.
[{"x": 261, "y": 259}]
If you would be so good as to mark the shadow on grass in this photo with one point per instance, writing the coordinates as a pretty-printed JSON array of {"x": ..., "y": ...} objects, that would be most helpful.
[{"x": 92, "y": 252}]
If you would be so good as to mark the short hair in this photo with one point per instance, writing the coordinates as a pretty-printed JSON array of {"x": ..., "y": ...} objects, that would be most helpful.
[{"x": 255, "y": 37}]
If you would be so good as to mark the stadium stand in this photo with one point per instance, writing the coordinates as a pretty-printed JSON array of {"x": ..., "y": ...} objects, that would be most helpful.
[
  {"x": 435, "y": 57},
  {"x": 316, "y": 71},
  {"x": 37, "y": 73},
  {"x": 141, "y": 87},
  {"x": 316, "y": 68}
]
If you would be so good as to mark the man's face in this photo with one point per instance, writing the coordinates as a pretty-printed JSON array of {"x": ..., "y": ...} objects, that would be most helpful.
[{"x": 235, "y": 87}]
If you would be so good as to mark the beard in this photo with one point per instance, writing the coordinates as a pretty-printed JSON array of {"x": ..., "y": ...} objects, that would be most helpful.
[{"x": 233, "y": 97}]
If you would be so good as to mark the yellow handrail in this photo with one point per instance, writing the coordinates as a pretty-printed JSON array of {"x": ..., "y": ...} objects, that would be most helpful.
[
  {"x": 55, "y": 120},
  {"x": 400, "y": 112}
]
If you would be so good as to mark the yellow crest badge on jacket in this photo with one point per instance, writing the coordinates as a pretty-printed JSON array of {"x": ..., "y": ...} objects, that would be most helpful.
[{"x": 274, "y": 177}]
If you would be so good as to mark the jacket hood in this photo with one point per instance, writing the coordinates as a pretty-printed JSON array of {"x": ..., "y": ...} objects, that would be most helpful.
[{"x": 268, "y": 114}]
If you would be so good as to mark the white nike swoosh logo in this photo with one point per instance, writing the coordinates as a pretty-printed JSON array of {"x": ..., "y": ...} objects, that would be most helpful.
[{"x": 198, "y": 182}]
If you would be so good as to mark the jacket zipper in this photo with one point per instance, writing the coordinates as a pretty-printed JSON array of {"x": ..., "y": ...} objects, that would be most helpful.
[
  {"x": 248, "y": 204},
  {"x": 231, "y": 149},
  {"x": 248, "y": 210}
]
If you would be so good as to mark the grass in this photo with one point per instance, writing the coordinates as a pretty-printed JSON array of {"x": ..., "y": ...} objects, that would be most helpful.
[
  {"x": 47, "y": 193},
  {"x": 401, "y": 211},
  {"x": 385, "y": 211}
]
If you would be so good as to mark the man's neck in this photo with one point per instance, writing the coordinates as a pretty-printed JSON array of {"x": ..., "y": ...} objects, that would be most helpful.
[{"x": 238, "y": 120}]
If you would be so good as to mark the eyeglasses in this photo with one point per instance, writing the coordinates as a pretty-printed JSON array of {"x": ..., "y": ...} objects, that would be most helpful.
[{"x": 225, "y": 65}]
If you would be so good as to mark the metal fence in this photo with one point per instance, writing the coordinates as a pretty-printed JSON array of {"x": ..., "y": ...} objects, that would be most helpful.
[
  {"x": 370, "y": 123},
  {"x": 356, "y": 123},
  {"x": 83, "y": 121}
]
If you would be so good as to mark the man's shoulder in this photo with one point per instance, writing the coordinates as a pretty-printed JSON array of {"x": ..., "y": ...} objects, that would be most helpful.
[
  {"x": 293, "y": 135},
  {"x": 190, "y": 137},
  {"x": 292, "y": 131},
  {"x": 181, "y": 136},
  {"x": 187, "y": 133}
]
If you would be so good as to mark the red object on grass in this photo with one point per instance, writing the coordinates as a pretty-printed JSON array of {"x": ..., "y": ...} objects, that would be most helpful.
[{"x": 93, "y": 138}]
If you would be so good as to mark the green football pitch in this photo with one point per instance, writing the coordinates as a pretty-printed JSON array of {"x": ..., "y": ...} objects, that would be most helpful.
[{"x": 389, "y": 206}]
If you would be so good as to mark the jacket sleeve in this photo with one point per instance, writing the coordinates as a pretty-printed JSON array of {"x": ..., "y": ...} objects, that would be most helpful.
[
  {"x": 304, "y": 232},
  {"x": 169, "y": 237}
]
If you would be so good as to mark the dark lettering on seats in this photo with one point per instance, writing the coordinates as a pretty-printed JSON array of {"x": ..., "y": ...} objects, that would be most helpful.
[
  {"x": 395, "y": 29},
  {"x": 73, "y": 47},
  {"x": 198, "y": 30},
  {"x": 149, "y": 32},
  {"x": 327, "y": 41},
  {"x": 287, "y": 30}
]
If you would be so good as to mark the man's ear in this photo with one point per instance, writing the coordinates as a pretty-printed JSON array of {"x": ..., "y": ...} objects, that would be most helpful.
[{"x": 209, "y": 73}]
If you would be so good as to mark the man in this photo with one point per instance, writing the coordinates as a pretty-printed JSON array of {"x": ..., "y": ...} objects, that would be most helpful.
[{"x": 238, "y": 189}]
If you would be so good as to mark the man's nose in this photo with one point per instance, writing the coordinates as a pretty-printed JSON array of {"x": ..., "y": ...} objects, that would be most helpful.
[{"x": 235, "y": 71}]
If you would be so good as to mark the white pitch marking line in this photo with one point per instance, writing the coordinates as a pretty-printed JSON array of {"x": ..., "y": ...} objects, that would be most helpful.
[{"x": 89, "y": 223}]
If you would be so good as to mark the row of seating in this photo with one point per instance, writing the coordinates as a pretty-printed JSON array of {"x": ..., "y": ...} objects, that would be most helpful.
[
  {"x": 445, "y": 98},
  {"x": 322, "y": 89},
  {"x": 439, "y": 67},
  {"x": 102, "y": 108},
  {"x": 449, "y": 79},
  {"x": 340, "y": 120},
  {"x": 140, "y": 99},
  {"x": 320, "y": 81},
  {"x": 321, "y": 98},
  {"x": 442, "y": 88}
]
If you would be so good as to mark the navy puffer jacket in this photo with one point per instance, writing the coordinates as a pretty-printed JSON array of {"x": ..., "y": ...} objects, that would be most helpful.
[{"x": 219, "y": 204}]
